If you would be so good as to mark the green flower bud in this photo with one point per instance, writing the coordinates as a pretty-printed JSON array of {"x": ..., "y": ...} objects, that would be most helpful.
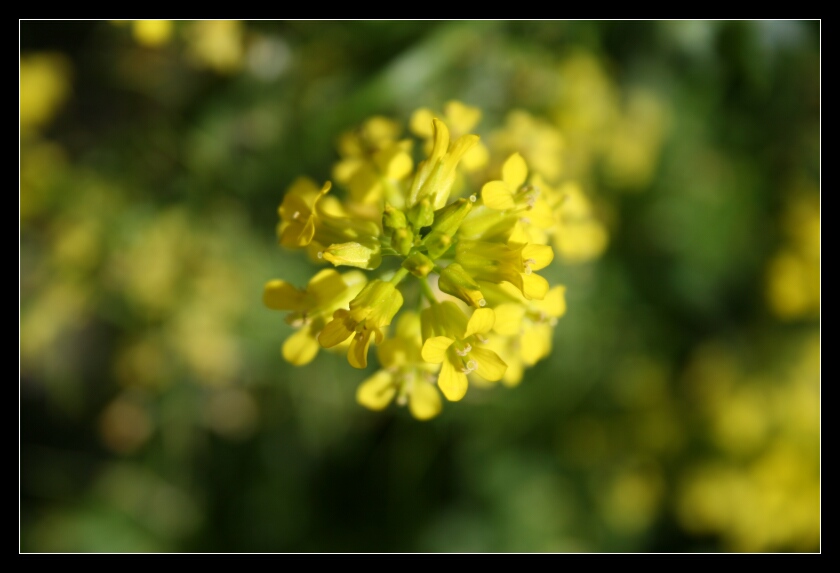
[
  {"x": 354, "y": 255},
  {"x": 456, "y": 281},
  {"x": 419, "y": 265},
  {"x": 393, "y": 218},
  {"x": 422, "y": 214},
  {"x": 446, "y": 223}
]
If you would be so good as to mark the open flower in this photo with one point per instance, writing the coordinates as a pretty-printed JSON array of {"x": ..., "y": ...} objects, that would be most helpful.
[
  {"x": 458, "y": 347},
  {"x": 310, "y": 308},
  {"x": 404, "y": 375},
  {"x": 372, "y": 309},
  {"x": 524, "y": 329},
  {"x": 498, "y": 262}
]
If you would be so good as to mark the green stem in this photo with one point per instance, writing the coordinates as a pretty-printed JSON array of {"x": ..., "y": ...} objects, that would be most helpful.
[
  {"x": 427, "y": 291},
  {"x": 399, "y": 276}
]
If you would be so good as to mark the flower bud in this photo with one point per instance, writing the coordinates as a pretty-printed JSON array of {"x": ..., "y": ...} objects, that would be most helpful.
[
  {"x": 354, "y": 255},
  {"x": 419, "y": 265},
  {"x": 454, "y": 280},
  {"x": 422, "y": 214},
  {"x": 446, "y": 223}
]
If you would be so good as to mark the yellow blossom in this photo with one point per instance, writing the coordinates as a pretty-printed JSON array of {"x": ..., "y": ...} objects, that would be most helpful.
[
  {"x": 525, "y": 329},
  {"x": 310, "y": 308},
  {"x": 435, "y": 176},
  {"x": 374, "y": 162},
  {"x": 372, "y": 309},
  {"x": 461, "y": 119},
  {"x": 498, "y": 262},
  {"x": 456, "y": 344},
  {"x": 307, "y": 216},
  {"x": 404, "y": 374}
]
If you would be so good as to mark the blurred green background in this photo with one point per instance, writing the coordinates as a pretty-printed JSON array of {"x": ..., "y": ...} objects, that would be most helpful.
[{"x": 678, "y": 411}]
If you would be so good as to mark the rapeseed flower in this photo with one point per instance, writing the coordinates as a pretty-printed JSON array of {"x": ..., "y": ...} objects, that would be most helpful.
[
  {"x": 482, "y": 310},
  {"x": 370, "y": 311},
  {"x": 310, "y": 308},
  {"x": 404, "y": 374},
  {"x": 457, "y": 346}
]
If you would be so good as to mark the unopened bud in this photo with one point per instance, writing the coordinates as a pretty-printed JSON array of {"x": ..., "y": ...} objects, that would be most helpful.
[
  {"x": 354, "y": 255},
  {"x": 456, "y": 281},
  {"x": 446, "y": 224},
  {"x": 419, "y": 265},
  {"x": 422, "y": 214}
]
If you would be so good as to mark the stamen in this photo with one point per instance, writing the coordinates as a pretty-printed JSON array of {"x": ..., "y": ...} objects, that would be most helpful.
[
  {"x": 465, "y": 351},
  {"x": 473, "y": 198},
  {"x": 482, "y": 303},
  {"x": 320, "y": 254},
  {"x": 481, "y": 338},
  {"x": 472, "y": 365},
  {"x": 525, "y": 220},
  {"x": 296, "y": 215}
]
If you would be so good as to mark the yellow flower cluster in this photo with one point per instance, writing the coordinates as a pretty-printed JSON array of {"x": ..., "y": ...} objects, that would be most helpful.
[{"x": 472, "y": 248}]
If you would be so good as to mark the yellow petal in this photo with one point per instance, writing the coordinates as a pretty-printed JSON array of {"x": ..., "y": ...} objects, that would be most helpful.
[
  {"x": 481, "y": 321},
  {"x": 540, "y": 215},
  {"x": 513, "y": 375},
  {"x": 376, "y": 392},
  {"x": 514, "y": 171},
  {"x": 554, "y": 303},
  {"x": 302, "y": 187},
  {"x": 441, "y": 145},
  {"x": 462, "y": 117},
  {"x": 434, "y": 349},
  {"x": 393, "y": 162},
  {"x": 534, "y": 286},
  {"x": 280, "y": 295},
  {"x": 536, "y": 343},
  {"x": 326, "y": 285},
  {"x": 424, "y": 401},
  {"x": 490, "y": 366},
  {"x": 452, "y": 382},
  {"x": 365, "y": 185},
  {"x": 357, "y": 353},
  {"x": 475, "y": 158},
  {"x": 509, "y": 319},
  {"x": 298, "y": 235},
  {"x": 336, "y": 331},
  {"x": 461, "y": 146},
  {"x": 540, "y": 255},
  {"x": 497, "y": 195},
  {"x": 346, "y": 168},
  {"x": 300, "y": 348},
  {"x": 421, "y": 122}
]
